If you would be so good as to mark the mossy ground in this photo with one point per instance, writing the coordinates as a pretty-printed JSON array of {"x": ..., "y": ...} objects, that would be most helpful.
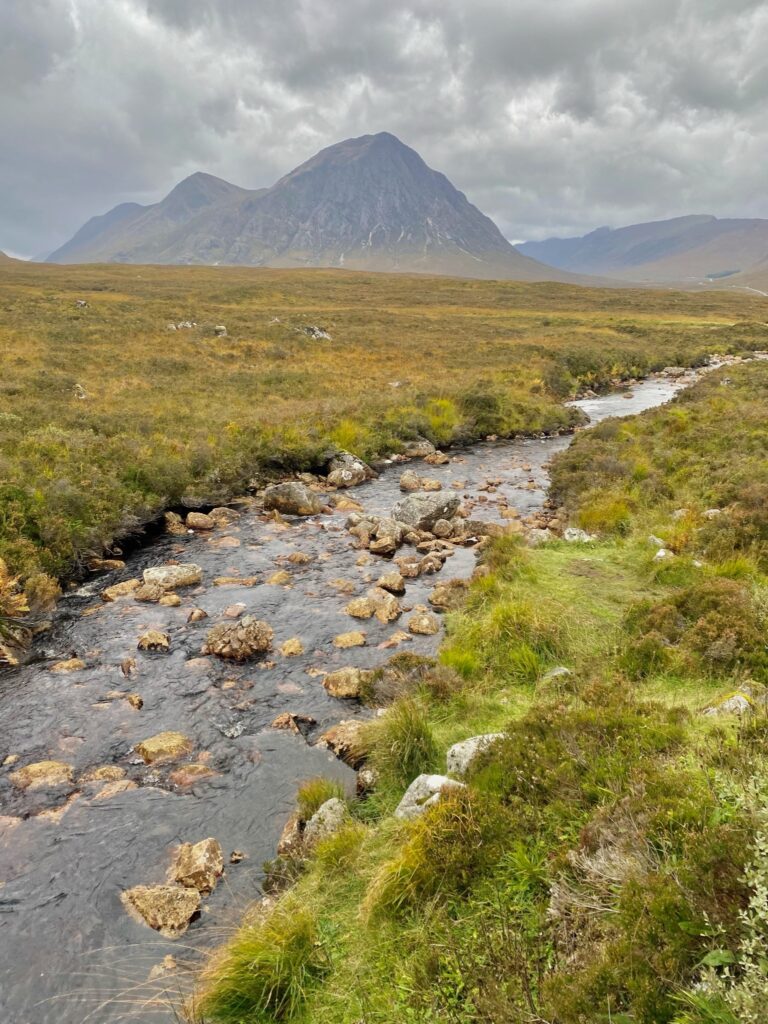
[{"x": 608, "y": 860}]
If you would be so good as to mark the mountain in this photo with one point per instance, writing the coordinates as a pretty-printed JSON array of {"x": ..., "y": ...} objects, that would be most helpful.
[
  {"x": 365, "y": 204},
  {"x": 685, "y": 250},
  {"x": 4, "y": 258}
]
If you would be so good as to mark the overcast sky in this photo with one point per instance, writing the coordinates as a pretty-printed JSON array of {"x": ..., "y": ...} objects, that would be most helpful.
[{"x": 554, "y": 116}]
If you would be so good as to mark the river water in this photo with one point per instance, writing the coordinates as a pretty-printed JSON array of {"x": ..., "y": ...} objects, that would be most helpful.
[{"x": 69, "y": 953}]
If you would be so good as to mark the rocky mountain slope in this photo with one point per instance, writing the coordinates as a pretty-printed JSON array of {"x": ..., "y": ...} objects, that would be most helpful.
[
  {"x": 364, "y": 204},
  {"x": 684, "y": 250}
]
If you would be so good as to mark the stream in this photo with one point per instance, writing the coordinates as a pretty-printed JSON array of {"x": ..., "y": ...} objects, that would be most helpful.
[{"x": 69, "y": 952}]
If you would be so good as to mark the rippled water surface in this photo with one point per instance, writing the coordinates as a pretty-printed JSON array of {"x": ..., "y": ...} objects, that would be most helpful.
[{"x": 68, "y": 951}]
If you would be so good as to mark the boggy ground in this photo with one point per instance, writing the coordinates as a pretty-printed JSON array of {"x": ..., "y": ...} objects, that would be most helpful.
[
  {"x": 108, "y": 416},
  {"x": 607, "y": 859}
]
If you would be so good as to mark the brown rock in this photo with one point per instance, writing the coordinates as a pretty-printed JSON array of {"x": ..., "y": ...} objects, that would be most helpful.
[
  {"x": 170, "y": 601},
  {"x": 279, "y": 578},
  {"x": 174, "y": 524},
  {"x": 166, "y": 908},
  {"x": 171, "y": 577},
  {"x": 431, "y": 485},
  {"x": 346, "y": 640},
  {"x": 240, "y": 640},
  {"x": 154, "y": 640},
  {"x": 410, "y": 481},
  {"x": 106, "y": 564},
  {"x": 165, "y": 746},
  {"x": 345, "y": 740},
  {"x": 111, "y": 789},
  {"x": 120, "y": 590},
  {"x": 292, "y": 648},
  {"x": 200, "y": 521},
  {"x": 437, "y": 459},
  {"x": 384, "y": 546},
  {"x": 236, "y": 581},
  {"x": 361, "y": 608},
  {"x": 223, "y": 516},
  {"x": 291, "y": 838},
  {"x": 71, "y": 665},
  {"x": 299, "y": 558},
  {"x": 199, "y": 865},
  {"x": 288, "y": 722},
  {"x": 197, "y": 615},
  {"x": 346, "y": 683},
  {"x": 104, "y": 773},
  {"x": 392, "y": 581},
  {"x": 149, "y": 592},
  {"x": 190, "y": 774},
  {"x": 43, "y": 773}
]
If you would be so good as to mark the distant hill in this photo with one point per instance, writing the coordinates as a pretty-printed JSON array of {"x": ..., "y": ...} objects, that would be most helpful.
[
  {"x": 365, "y": 204},
  {"x": 4, "y": 258},
  {"x": 685, "y": 250}
]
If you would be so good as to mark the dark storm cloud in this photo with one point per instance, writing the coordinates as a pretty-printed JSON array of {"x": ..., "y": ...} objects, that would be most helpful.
[{"x": 552, "y": 115}]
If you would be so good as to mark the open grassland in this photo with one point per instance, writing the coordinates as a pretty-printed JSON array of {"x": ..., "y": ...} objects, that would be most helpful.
[
  {"x": 107, "y": 416},
  {"x": 608, "y": 859}
]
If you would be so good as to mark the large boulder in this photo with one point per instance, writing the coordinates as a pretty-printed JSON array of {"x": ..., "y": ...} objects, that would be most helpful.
[
  {"x": 327, "y": 819},
  {"x": 199, "y": 865},
  {"x": 424, "y": 792},
  {"x": 292, "y": 498},
  {"x": 422, "y": 511},
  {"x": 171, "y": 577},
  {"x": 461, "y": 755},
  {"x": 239, "y": 640},
  {"x": 166, "y": 908},
  {"x": 346, "y": 470}
]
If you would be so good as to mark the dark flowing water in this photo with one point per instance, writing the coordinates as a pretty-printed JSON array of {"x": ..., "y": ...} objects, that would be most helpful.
[{"x": 69, "y": 953}]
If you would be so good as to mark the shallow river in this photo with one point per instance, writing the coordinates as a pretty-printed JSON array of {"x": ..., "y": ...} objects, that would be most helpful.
[{"x": 69, "y": 953}]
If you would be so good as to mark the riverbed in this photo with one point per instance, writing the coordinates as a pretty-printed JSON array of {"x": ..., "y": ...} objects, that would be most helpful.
[{"x": 69, "y": 952}]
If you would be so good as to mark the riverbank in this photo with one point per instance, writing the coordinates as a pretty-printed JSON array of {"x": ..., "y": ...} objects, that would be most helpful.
[
  {"x": 605, "y": 858},
  {"x": 121, "y": 396}
]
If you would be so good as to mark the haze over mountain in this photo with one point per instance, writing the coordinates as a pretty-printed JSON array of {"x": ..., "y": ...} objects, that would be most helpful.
[
  {"x": 684, "y": 250},
  {"x": 369, "y": 203}
]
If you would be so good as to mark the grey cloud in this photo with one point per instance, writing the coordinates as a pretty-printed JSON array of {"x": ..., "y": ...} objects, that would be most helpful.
[{"x": 552, "y": 115}]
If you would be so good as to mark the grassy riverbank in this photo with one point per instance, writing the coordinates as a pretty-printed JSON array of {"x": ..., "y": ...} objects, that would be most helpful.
[
  {"x": 608, "y": 859},
  {"x": 107, "y": 416}
]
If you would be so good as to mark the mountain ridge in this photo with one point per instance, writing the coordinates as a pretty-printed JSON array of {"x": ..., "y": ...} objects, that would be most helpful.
[
  {"x": 694, "y": 249},
  {"x": 369, "y": 203}
]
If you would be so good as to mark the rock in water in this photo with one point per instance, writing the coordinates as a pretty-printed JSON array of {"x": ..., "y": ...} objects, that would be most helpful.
[
  {"x": 199, "y": 865},
  {"x": 165, "y": 746},
  {"x": 170, "y": 577},
  {"x": 241, "y": 640},
  {"x": 292, "y": 498},
  {"x": 422, "y": 511},
  {"x": 166, "y": 908},
  {"x": 153, "y": 640},
  {"x": 346, "y": 470},
  {"x": 43, "y": 773},
  {"x": 346, "y": 683}
]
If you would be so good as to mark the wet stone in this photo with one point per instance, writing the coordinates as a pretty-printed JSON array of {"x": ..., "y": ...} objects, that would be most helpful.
[
  {"x": 43, "y": 774},
  {"x": 166, "y": 908},
  {"x": 154, "y": 640},
  {"x": 199, "y": 865},
  {"x": 165, "y": 746},
  {"x": 240, "y": 640}
]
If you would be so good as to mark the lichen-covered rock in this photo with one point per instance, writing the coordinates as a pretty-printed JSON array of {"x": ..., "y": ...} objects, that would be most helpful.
[
  {"x": 165, "y": 746},
  {"x": 289, "y": 722},
  {"x": 346, "y": 683},
  {"x": 384, "y": 546},
  {"x": 461, "y": 755},
  {"x": 346, "y": 470},
  {"x": 118, "y": 590},
  {"x": 292, "y": 837},
  {"x": 346, "y": 640},
  {"x": 327, "y": 819},
  {"x": 361, "y": 608},
  {"x": 442, "y": 528},
  {"x": 170, "y": 601},
  {"x": 429, "y": 484},
  {"x": 149, "y": 593},
  {"x": 422, "y": 511},
  {"x": 424, "y": 624},
  {"x": 392, "y": 581},
  {"x": 292, "y": 498},
  {"x": 419, "y": 448},
  {"x": 576, "y": 536},
  {"x": 448, "y": 595},
  {"x": 199, "y": 865},
  {"x": 387, "y": 607},
  {"x": 166, "y": 908},
  {"x": 437, "y": 458},
  {"x": 200, "y": 521},
  {"x": 174, "y": 524},
  {"x": 410, "y": 481},
  {"x": 424, "y": 792},
  {"x": 171, "y": 577},
  {"x": 42, "y": 774},
  {"x": 154, "y": 640},
  {"x": 292, "y": 648},
  {"x": 736, "y": 704},
  {"x": 197, "y": 615},
  {"x": 240, "y": 640}
]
